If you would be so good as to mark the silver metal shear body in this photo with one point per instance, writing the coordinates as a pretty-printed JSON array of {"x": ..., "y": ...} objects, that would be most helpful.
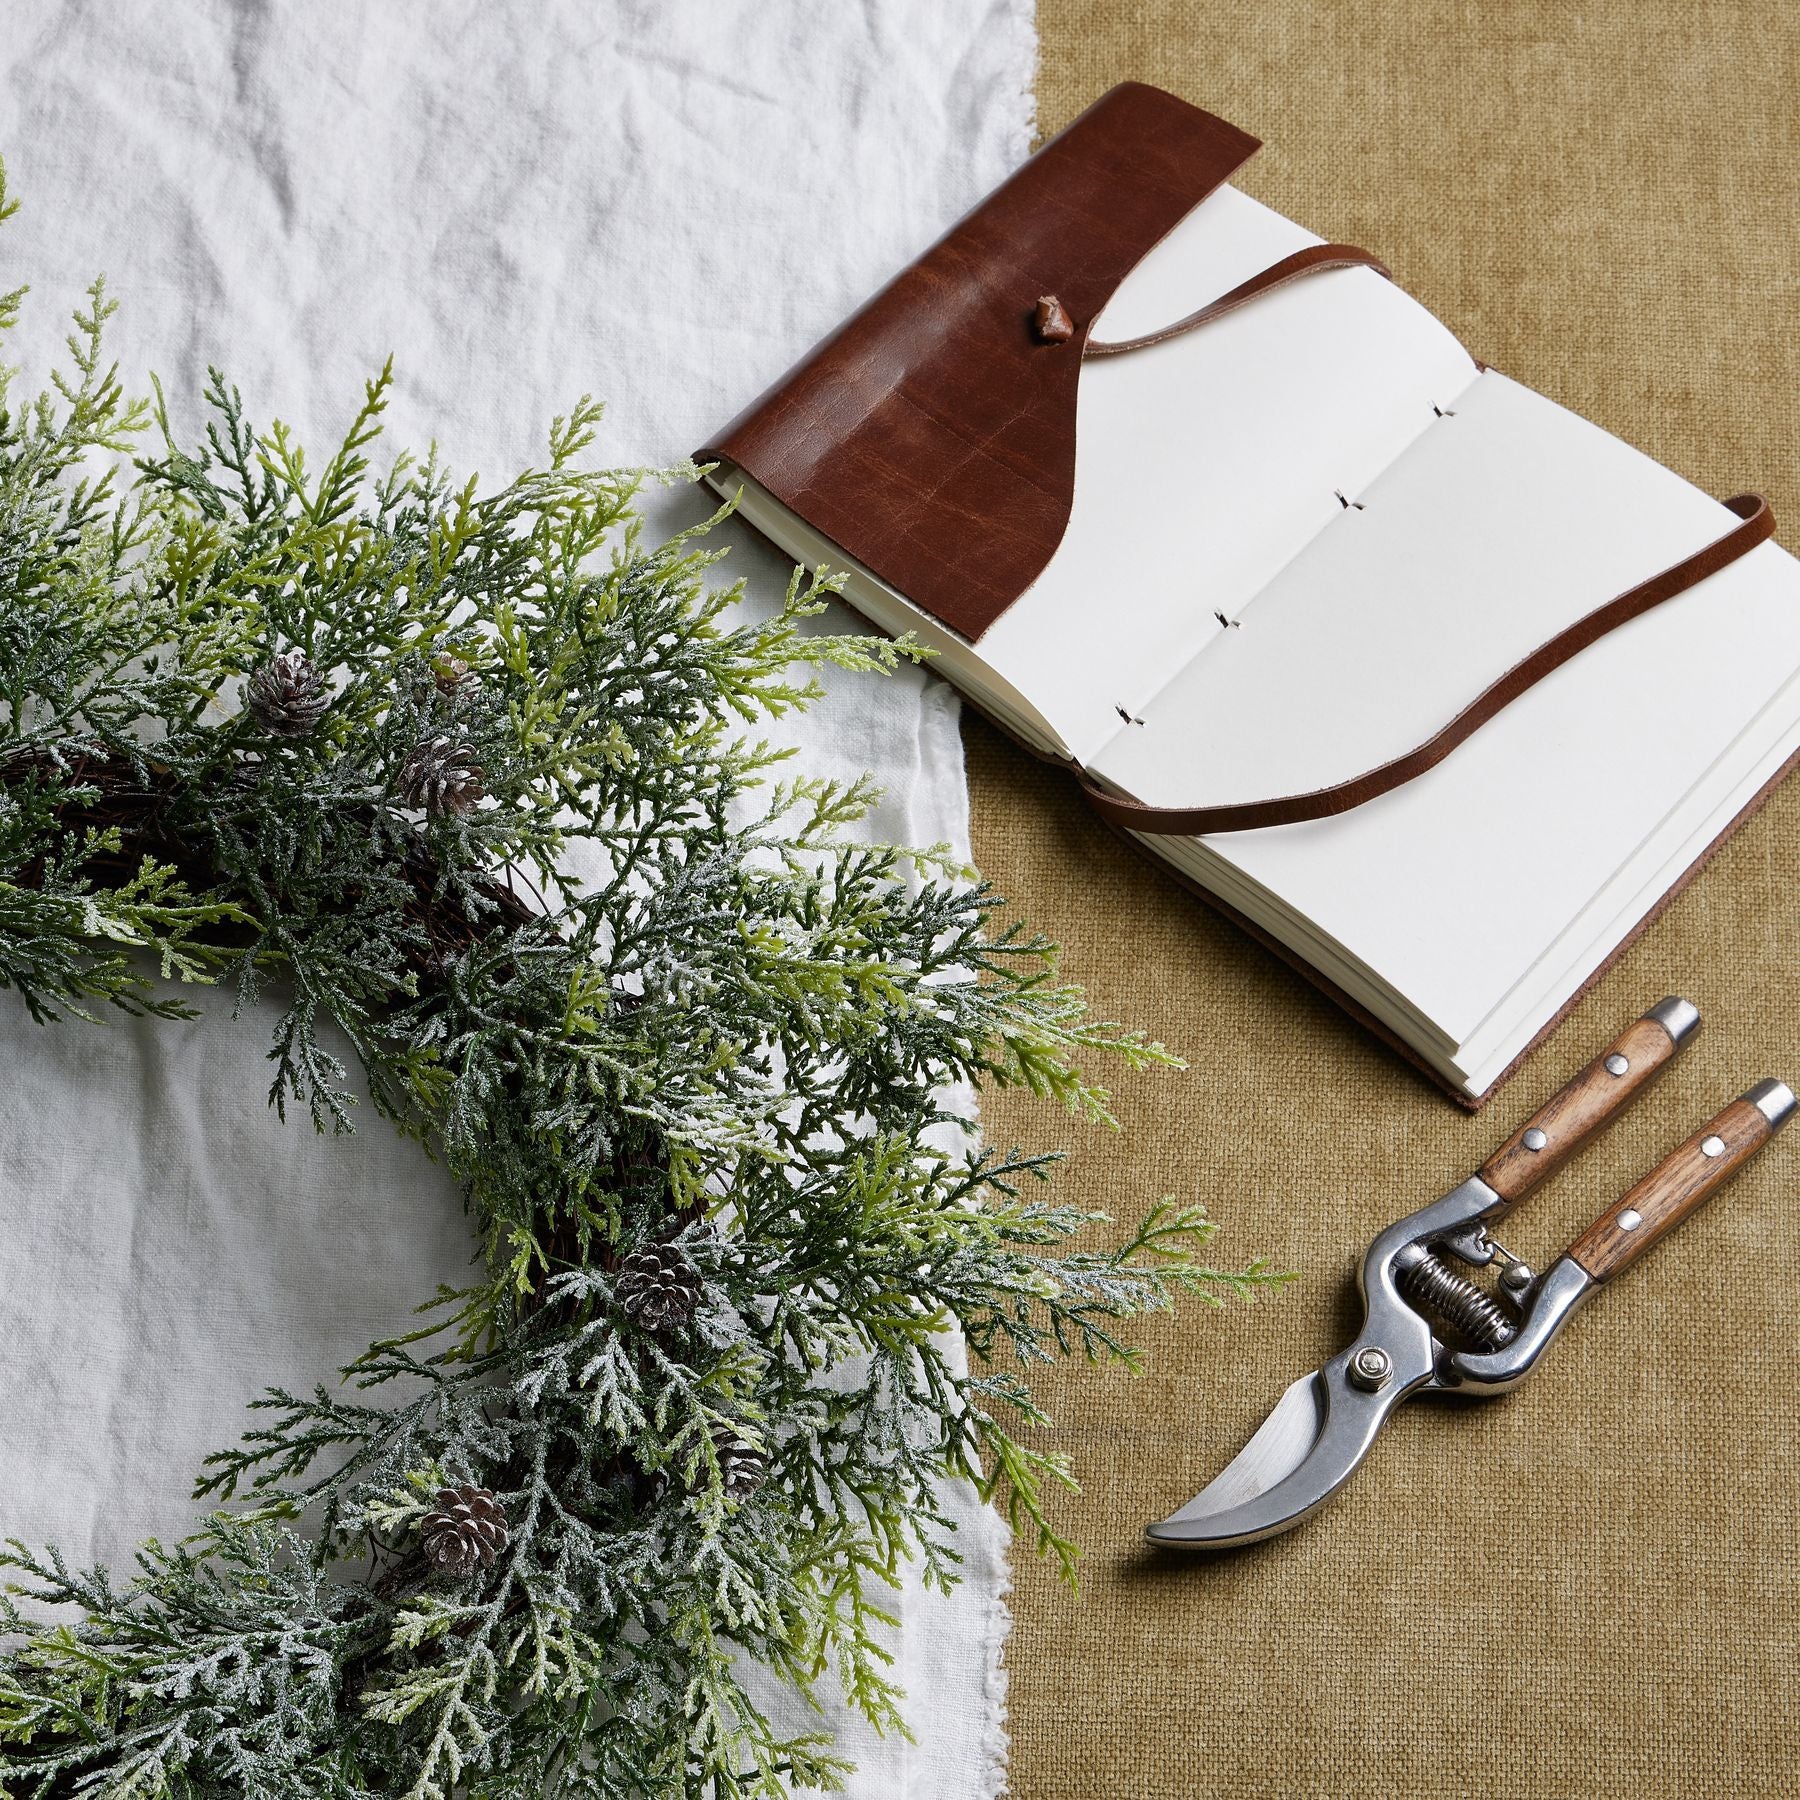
[{"x": 1430, "y": 1328}]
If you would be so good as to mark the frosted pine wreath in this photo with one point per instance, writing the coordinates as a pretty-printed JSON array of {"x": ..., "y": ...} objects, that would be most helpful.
[{"x": 333, "y": 737}]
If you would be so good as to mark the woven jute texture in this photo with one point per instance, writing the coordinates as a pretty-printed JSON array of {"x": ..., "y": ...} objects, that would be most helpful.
[{"x": 1589, "y": 1588}]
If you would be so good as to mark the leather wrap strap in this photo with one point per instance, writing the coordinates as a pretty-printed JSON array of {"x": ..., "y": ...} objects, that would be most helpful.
[
  {"x": 1757, "y": 525},
  {"x": 1313, "y": 260}
]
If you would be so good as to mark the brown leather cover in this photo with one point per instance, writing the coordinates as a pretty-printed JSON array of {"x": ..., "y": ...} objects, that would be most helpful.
[{"x": 932, "y": 436}]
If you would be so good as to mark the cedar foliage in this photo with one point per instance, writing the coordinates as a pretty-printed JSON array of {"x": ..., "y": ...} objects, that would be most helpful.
[{"x": 730, "y": 1039}]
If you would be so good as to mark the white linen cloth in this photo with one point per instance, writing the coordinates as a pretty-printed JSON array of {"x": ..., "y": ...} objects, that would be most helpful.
[{"x": 661, "y": 204}]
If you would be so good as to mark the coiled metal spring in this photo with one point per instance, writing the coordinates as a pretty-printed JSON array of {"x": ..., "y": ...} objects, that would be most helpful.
[{"x": 1455, "y": 1299}]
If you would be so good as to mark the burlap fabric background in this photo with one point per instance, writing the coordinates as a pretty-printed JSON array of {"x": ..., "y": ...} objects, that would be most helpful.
[{"x": 1588, "y": 1588}]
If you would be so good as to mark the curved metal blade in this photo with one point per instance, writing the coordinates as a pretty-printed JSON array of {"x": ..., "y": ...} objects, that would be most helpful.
[
  {"x": 1307, "y": 1448},
  {"x": 1323, "y": 1426},
  {"x": 1282, "y": 1442}
]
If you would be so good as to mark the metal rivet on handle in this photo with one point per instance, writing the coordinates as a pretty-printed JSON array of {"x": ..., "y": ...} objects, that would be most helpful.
[
  {"x": 1617, "y": 1064},
  {"x": 1535, "y": 1139},
  {"x": 1630, "y": 1219},
  {"x": 1713, "y": 1146}
]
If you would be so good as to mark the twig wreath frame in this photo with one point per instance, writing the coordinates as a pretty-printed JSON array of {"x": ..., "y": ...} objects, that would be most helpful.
[{"x": 328, "y": 736}]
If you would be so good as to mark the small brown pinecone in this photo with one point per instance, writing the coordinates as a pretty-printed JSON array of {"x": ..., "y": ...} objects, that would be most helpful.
[
  {"x": 742, "y": 1467},
  {"x": 658, "y": 1288},
  {"x": 742, "y": 1470},
  {"x": 442, "y": 775},
  {"x": 465, "y": 1531},
  {"x": 287, "y": 694},
  {"x": 452, "y": 677}
]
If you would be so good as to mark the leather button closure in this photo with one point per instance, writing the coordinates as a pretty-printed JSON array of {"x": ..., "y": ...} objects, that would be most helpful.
[{"x": 1050, "y": 323}]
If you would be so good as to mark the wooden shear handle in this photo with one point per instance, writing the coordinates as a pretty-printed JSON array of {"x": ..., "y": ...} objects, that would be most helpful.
[
  {"x": 1591, "y": 1101},
  {"x": 1683, "y": 1181}
]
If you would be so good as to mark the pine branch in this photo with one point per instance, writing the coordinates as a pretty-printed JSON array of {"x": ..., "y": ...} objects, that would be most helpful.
[{"x": 473, "y": 777}]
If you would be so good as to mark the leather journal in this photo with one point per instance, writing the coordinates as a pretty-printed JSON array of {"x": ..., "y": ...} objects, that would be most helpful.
[{"x": 1436, "y": 688}]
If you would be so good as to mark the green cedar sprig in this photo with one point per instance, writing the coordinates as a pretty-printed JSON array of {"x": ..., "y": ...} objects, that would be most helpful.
[{"x": 630, "y": 977}]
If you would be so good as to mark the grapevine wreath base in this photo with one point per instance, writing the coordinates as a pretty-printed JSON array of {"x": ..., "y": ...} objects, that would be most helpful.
[{"x": 331, "y": 737}]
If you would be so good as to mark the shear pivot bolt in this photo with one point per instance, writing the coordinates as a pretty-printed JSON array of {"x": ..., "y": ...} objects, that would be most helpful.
[
  {"x": 1370, "y": 1369},
  {"x": 1535, "y": 1139},
  {"x": 1617, "y": 1064}
]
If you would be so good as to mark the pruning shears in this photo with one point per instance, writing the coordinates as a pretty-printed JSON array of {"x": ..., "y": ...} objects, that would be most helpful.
[{"x": 1430, "y": 1328}]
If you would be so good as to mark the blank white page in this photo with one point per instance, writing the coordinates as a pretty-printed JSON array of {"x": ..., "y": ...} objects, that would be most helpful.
[
  {"x": 1496, "y": 529},
  {"x": 1677, "y": 844},
  {"x": 1205, "y": 463},
  {"x": 1501, "y": 526}
]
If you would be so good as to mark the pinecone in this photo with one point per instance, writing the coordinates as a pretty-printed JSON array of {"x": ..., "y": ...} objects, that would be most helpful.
[
  {"x": 742, "y": 1467},
  {"x": 442, "y": 775},
  {"x": 658, "y": 1288},
  {"x": 742, "y": 1470},
  {"x": 287, "y": 694},
  {"x": 465, "y": 1532},
  {"x": 452, "y": 677}
]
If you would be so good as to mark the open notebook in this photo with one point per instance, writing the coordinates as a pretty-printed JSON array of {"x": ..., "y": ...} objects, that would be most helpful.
[{"x": 1294, "y": 542}]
